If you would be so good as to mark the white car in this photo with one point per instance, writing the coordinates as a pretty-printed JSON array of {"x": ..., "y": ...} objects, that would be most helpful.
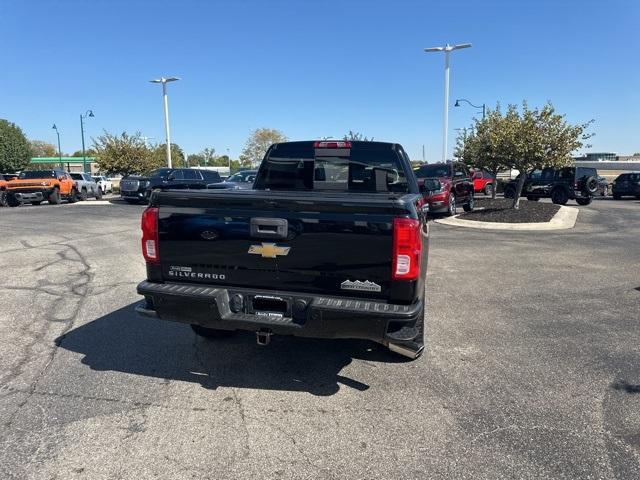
[{"x": 104, "y": 184}]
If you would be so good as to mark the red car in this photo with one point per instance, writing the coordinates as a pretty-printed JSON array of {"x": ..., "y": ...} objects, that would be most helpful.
[
  {"x": 483, "y": 182},
  {"x": 448, "y": 185}
]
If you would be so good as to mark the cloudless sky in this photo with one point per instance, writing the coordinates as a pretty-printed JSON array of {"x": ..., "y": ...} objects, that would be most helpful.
[{"x": 314, "y": 69}]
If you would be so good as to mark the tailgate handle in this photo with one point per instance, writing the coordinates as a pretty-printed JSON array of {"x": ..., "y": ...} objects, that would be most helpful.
[{"x": 276, "y": 228}]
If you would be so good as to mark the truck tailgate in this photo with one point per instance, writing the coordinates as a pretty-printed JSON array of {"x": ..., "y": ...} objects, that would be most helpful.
[{"x": 334, "y": 244}]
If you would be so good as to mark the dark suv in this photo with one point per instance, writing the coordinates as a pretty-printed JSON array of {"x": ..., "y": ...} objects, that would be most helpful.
[
  {"x": 559, "y": 184},
  {"x": 135, "y": 189},
  {"x": 627, "y": 184},
  {"x": 456, "y": 187}
]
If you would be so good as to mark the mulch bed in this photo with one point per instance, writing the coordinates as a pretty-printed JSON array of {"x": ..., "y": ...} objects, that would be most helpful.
[{"x": 499, "y": 210}]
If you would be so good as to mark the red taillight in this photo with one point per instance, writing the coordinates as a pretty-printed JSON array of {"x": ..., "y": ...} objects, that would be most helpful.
[
  {"x": 407, "y": 249},
  {"x": 324, "y": 144},
  {"x": 150, "y": 235}
]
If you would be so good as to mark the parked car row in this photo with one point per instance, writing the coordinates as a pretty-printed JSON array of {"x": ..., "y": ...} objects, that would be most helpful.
[
  {"x": 52, "y": 186},
  {"x": 138, "y": 188}
]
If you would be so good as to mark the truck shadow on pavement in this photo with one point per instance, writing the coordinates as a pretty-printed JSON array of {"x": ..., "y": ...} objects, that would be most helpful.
[{"x": 122, "y": 342}]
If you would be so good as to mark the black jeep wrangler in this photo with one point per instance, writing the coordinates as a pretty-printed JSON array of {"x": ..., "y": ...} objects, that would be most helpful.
[{"x": 559, "y": 184}]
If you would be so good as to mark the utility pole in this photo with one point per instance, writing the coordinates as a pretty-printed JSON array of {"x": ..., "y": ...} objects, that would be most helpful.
[
  {"x": 59, "y": 149},
  {"x": 165, "y": 102},
  {"x": 88, "y": 113},
  {"x": 447, "y": 49}
]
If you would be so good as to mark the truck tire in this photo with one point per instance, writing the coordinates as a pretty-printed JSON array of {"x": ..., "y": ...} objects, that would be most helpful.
[
  {"x": 73, "y": 196},
  {"x": 559, "y": 196},
  {"x": 451, "y": 209},
  {"x": 616, "y": 197},
  {"x": 509, "y": 192},
  {"x": 4, "y": 200},
  {"x": 590, "y": 185},
  {"x": 468, "y": 207},
  {"x": 584, "y": 201},
  {"x": 210, "y": 333},
  {"x": 12, "y": 201},
  {"x": 488, "y": 190},
  {"x": 98, "y": 194},
  {"x": 54, "y": 197},
  {"x": 83, "y": 194}
]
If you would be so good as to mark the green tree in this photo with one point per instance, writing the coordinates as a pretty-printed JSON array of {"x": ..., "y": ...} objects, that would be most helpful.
[
  {"x": 195, "y": 160},
  {"x": 40, "y": 148},
  {"x": 177, "y": 155},
  {"x": 258, "y": 143},
  {"x": 125, "y": 154},
  {"x": 524, "y": 139},
  {"x": 357, "y": 136},
  {"x": 15, "y": 152},
  {"x": 89, "y": 152}
]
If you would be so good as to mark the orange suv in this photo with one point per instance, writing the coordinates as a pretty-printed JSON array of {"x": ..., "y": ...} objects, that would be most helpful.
[
  {"x": 3, "y": 191},
  {"x": 36, "y": 186}
]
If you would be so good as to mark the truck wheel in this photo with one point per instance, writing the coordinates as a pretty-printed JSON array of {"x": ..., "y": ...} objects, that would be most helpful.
[
  {"x": 584, "y": 201},
  {"x": 210, "y": 333},
  {"x": 73, "y": 196},
  {"x": 468, "y": 207},
  {"x": 616, "y": 197},
  {"x": 488, "y": 190},
  {"x": 83, "y": 194},
  {"x": 54, "y": 197},
  {"x": 451, "y": 210},
  {"x": 559, "y": 196},
  {"x": 4, "y": 201},
  {"x": 12, "y": 201},
  {"x": 98, "y": 194}
]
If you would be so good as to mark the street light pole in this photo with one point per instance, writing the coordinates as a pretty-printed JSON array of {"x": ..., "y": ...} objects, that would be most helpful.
[
  {"x": 229, "y": 158},
  {"x": 59, "y": 149},
  {"x": 447, "y": 49},
  {"x": 88, "y": 113},
  {"x": 165, "y": 102},
  {"x": 483, "y": 106}
]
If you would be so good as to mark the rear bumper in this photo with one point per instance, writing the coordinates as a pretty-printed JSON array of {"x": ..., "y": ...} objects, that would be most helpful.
[{"x": 307, "y": 315}]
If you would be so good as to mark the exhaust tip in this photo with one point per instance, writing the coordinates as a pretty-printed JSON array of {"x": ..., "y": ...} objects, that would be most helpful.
[{"x": 408, "y": 351}]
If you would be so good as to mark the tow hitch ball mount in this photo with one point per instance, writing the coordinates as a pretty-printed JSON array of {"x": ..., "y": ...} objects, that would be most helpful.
[{"x": 263, "y": 337}]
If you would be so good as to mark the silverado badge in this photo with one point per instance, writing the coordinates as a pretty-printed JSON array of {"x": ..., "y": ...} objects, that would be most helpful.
[
  {"x": 365, "y": 286},
  {"x": 269, "y": 250}
]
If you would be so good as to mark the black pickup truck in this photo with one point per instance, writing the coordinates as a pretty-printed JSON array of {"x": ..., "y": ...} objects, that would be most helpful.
[{"x": 331, "y": 242}]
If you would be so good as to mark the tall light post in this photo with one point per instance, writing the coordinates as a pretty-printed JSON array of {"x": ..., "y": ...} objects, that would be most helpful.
[
  {"x": 483, "y": 106},
  {"x": 88, "y": 113},
  {"x": 229, "y": 158},
  {"x": 165, "y": 101},
  {"x": 59, "y": 149},
  {"x": 447, "y": 49}
]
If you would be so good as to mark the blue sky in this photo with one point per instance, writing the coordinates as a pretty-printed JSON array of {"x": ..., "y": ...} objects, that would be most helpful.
[{"x": 314, "y": 69}]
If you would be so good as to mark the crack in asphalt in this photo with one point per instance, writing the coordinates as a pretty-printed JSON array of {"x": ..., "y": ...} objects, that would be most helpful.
[{"x": 76, "y": 288}]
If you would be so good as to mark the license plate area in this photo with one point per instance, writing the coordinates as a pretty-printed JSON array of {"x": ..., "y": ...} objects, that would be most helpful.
[{"x": 271, "y": 306}]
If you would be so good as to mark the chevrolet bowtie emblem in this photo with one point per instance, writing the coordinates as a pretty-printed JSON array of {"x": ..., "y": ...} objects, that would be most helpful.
[{"x": 269, "y": 250}]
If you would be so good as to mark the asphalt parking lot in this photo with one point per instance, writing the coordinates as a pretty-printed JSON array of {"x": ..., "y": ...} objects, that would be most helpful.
[{"x": 531, "y": 367}]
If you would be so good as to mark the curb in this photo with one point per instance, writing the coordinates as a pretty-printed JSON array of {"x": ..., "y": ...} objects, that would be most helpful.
[{"x": 564, "y": 219}]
